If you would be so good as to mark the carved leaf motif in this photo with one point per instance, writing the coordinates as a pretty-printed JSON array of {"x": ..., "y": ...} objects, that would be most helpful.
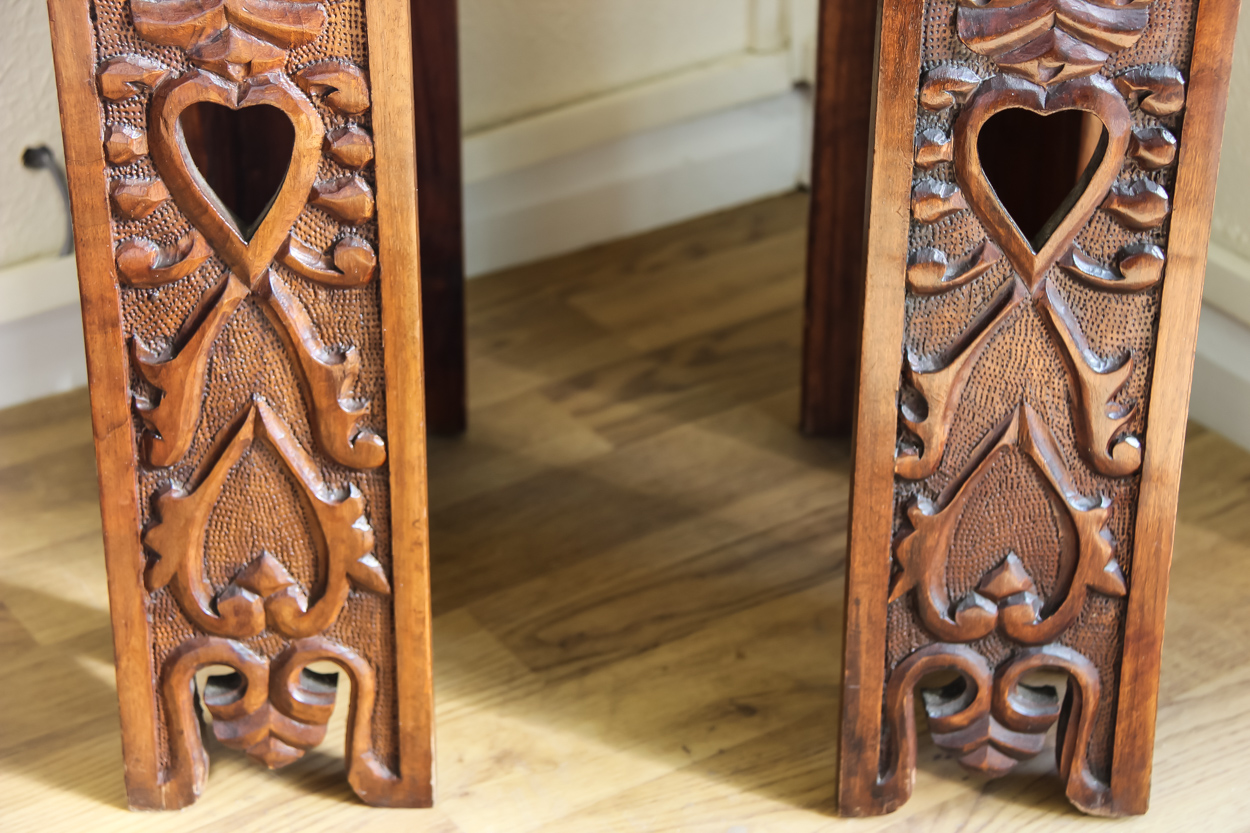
[
  {"x": 922, "y": 553},
  {"x": 328, "y": 377},
  {"x": 179, "y": 377},
  {"x": 1048, "y": 41},
  {"x": 235, "y": 38}
]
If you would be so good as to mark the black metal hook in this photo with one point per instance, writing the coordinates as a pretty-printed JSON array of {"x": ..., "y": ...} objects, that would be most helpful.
[{"x": 40, "y": 156}]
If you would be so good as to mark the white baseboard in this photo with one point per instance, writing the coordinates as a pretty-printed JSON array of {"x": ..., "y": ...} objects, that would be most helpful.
[
  {"x": 636, "y": 183},
  {"x": 1221, "y": 392},
  {"x": 41, "y": 355}
]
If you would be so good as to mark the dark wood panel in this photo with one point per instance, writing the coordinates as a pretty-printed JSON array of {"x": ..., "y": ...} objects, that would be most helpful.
[{"x": 436, "y": 76}]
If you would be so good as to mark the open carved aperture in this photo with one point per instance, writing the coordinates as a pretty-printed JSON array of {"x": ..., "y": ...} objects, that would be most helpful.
[
  {"x": 239, "y": 141},
  {"x": 979, "y": 387}
]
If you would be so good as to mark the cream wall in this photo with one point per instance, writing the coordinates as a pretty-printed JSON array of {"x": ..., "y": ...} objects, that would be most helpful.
[
  {"x": 1231, "y": 226},
  {"x": 584, "y": 120},
  {"x": 520, "y": 57}
]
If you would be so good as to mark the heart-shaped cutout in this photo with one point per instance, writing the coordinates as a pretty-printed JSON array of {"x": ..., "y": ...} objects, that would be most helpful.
[
  {"x": 242, "y": 155},
  {"x": 1033, "y": 254},
  {"x": 247, "y": 251}
]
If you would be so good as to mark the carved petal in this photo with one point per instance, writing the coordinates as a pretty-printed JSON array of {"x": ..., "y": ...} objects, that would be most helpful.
[
  {"x": 350, "y": 146},
  {"x": 124, "y": 144},
  {"x": 127, "y": 76},
  {"x": 342, "y": 84},
  {"x": 348, "y": 198},
  {"x": 135, "y": 199},
  {"x": 1152, "y": 147},
  {"x": 929, "y": 272},
  {"x": 933, "y": 147},
  {"x": 1158, "y": 90},
  {"x": 1140, "y": 267},
  {"x": 932, "y": 200},
  {"x": 1141, "y": 205}
]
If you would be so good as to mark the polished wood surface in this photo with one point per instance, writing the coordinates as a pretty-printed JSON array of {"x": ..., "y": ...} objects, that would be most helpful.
[
  {"x": 638, "y": 572},
  {"x": 264, "y": 503},
  {"x": 1024, "y": 384}
]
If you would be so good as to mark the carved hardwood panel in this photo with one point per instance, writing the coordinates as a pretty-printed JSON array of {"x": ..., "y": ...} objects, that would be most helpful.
[
  {"x": 1019, "y": 438},
  {"x": 256, "y": 385}
]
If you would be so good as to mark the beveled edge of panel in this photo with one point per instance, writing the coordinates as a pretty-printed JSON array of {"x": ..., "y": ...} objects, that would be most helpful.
[
  {"x": 874, "y": 433},
  {"x": 1181, "y": 302},
  {"x": 73, "y": 48},
  {"x": 390, "y": 73}
]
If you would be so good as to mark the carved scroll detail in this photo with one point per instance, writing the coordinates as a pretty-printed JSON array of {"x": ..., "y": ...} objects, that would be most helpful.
[
  {"x": 989, "y": 720},
  {"x": 146, "y": 265},
  {"x": 273, "y": 710},
  {"x": 352, "y": 263}
]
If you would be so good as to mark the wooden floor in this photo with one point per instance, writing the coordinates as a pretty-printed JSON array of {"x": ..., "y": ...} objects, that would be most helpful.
[{"x": 638, "y": 587}]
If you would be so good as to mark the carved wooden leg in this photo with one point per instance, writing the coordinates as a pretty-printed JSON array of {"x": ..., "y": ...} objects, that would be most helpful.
[
  {"x": 256, "y": 385},
  {"x": 436, "y": 76},
  {"x": 835, "y": 260},
  {"x": 1024, "y": 384}
]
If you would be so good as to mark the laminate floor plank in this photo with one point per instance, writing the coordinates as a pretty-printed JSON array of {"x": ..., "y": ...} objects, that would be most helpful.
[{"x": 638, "y": 587}]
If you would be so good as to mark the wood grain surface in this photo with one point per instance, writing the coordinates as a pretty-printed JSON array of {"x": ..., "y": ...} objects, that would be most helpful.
[{"x": 637, "y": 577}]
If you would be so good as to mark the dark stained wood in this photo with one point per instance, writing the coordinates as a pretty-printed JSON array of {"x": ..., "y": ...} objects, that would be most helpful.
[
  {"x": 256, "y": 513},
  {"x": 1023, "y": 396},
  {"x": 835, "y": 264},
  {"x": 436, "y": 84}
]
